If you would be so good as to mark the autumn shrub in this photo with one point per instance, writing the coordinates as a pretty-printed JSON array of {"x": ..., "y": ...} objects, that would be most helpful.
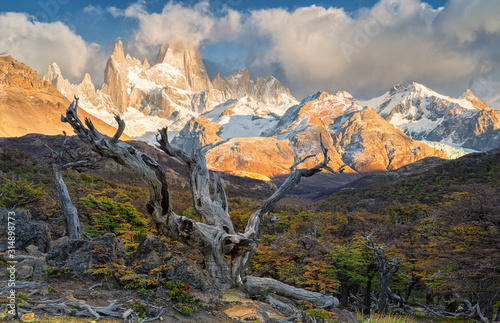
[
  {"x": 22, "y": 194},
  {"x": 322, "y": 315},
  {"x": 384, "y": 318}
]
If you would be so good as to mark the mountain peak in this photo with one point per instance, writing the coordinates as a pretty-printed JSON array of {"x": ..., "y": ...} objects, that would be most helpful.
[
  {"x": 52, "y": 72},
  {"x": 87, "y": 78},
  {"x": 344, "y": 94},
  {"x": 118, "y": 52},
  {"x": 186, "y": 59},
  {"x": 33, "y": 105},
  {"x": 407, "y": 87},
  {"x": 471, "y": 97},
  {"x": 316, "y": 96},
  {"x": 170, "y": 53}
]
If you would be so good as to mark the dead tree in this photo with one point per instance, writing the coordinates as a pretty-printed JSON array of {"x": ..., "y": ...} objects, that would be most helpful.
[
  {"x": 64, "y": 160},
  {"x": 226, "y": 253},
  {"x": 386, "y": 269}
]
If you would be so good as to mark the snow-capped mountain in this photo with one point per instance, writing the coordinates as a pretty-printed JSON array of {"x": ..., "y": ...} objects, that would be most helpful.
[
  {"x": 175, "y": 89},
  {"x": 359, "y": 136},
  {"x": 264, "y": 89},
  {"x": 357, "y": 139},
  {"x": 424, "y": 114},
  {"x": 90, "y": 98},
  {"x": 256, "y": 128}
]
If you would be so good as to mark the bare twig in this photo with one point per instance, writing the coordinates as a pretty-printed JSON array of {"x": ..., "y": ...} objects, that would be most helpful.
[{"x": 94, "y": 286}]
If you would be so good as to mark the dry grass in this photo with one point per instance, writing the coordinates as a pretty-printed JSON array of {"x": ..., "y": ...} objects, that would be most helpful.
[{"x": 385, "y": 318}]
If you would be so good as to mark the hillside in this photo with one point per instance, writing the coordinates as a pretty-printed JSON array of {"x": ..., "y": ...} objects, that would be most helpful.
[
  {"x": 312, "y": 245},
  {"x": 28, "y": 104}
]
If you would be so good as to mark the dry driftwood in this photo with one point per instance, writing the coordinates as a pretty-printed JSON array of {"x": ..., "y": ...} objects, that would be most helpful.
[
  {"x": 276, "y": 303},
  {"x": 59, "y": 307},
  {"x": 21, "y": 285}
]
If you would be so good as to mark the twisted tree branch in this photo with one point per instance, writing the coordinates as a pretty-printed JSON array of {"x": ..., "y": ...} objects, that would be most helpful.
[{"x": 211, "y": 211}]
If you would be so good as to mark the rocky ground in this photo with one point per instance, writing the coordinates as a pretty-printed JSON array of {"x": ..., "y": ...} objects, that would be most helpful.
[{"x": 154, "y": 284}]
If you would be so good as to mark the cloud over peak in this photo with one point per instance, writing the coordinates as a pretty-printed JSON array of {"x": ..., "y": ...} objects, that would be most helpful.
[
  {"x": 39, "y": 44},
  {"x": 314, "y": 48},
  {"x": 308, "y": 48},
  {"x": 179, "y": 24}
]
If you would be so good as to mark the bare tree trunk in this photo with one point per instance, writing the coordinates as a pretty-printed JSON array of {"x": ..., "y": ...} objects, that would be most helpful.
[
  {"x": 258, "y": 286},
  {"x": 68, "y": 209},
  {"x": 386, "y": 270},
  {"x": 367, "y": 299},
  {"x": 429, "y": 297},
  {"x": 413, "y": 282},
  {"x": 227, "y": 254}
]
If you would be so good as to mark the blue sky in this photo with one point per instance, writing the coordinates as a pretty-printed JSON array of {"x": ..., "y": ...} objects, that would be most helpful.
[
  {"x": 363, "y": 46},
  {"x": 91, "y": 27}
]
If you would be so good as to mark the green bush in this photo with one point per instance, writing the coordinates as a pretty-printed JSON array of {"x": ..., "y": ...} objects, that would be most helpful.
[
  {"x": 108, "y": 215},
  {"x": 20, "y": 194}
]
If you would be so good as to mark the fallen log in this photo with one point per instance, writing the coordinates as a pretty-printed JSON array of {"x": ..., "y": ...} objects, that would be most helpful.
[{"x": 257, "y": 286}]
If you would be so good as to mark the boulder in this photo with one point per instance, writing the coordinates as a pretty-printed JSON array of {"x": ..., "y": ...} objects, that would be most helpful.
[
  {"x": 152, "y": 253},
  {"x": 27, "y": 231},
  {"x": 58, "y": 241},
  {"x": 38, "y": 274},
  {"x": 347, "y": 317},
  {"x": 188, "y": 272},
  {"x": 24, "y": 269},
  {"x": 81, "y": 255},
  {"x": 243, "y": 309}
]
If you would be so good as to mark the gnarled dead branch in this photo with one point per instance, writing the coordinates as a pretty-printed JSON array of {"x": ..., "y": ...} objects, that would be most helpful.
[{"x": 226, "y": 253}]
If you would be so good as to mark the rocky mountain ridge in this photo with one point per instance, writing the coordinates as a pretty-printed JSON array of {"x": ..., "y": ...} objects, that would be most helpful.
[
  {"x": 170, "y": 92},
  {"x": 256, "y": 128},
  {"x": 424, "y": 114}
]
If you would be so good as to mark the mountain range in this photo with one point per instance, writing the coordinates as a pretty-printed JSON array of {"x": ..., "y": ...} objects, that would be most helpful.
[{"x": 256, "y": 128}]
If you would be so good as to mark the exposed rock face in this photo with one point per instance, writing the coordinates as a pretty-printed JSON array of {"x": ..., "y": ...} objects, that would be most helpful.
[
  {"x": 153, "y": 253},
  {"x": 88, "y": 96},
  {"x": 187, "y": 60},
  {"x": 117, "y": 79},
  {"x": 28, "y": 232},
  {"x": 198, "y": 133},
  {"x": 263, "y": 89},
  {"x": 266, "y": 156},
  {"x": 426, "y": 115},
  {"x": 249, "y": 310},
  {"x": 355, "y": 136},
  {"x": 81, "y": 255},
  {"x": 168, "y": 86},
  {"x": 28, "y": 104},
  {"x": 367, "y": 142}
]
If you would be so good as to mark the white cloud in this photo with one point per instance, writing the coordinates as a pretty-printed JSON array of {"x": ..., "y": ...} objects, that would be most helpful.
[
  {"x": 395, "y": 41},
  {"x": 93, "y": 10},
  {"x": 309, "y": 48},
  {"x": 315, "y": 48},
  {"x": 178, "y": 24},
  {"x": 39, "y": 44}
]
